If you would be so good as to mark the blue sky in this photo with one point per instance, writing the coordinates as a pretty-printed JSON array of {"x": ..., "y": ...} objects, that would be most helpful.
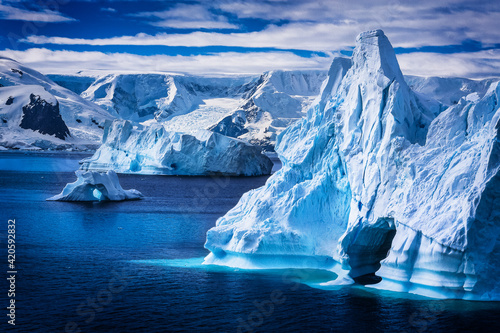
[{"x": 431, "y": 37}]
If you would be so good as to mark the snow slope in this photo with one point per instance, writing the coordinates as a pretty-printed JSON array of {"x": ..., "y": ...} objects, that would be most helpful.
[
  {"x": 449, "y": 90},
  {"x": 83, "y": 118},
  {"x": 95, "y": 186},
  {"x": 29, "y": 110},
  {"x": 375, "y": 168},
  {"x": 153, "y": 150},
  {"x": 277, "y": 100},
  {"x": 75, "y": 83}
]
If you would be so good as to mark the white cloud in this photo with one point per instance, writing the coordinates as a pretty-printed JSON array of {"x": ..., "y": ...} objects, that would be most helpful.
[
  {"x": 67, "y": 62},
  {"x": 416, "y": 23},
  {"x": 184, "y": 16},
  {"x": 402, "y": 28},
  {"x": 301, "y": 36},
  {"x": 108, "y": 9},
  {"x": 472, "y": 65},
  {"x": 44, "y": 15}
]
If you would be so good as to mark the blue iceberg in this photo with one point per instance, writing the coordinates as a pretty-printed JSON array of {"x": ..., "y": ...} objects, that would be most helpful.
[{"x": 377, "y": 179}]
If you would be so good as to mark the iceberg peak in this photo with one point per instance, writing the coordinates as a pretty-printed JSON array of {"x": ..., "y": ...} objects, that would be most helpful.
[
  {"x": 374, "y": 54},
  {"x": 377, "y": 180},
  {"x": 369, "y": 34}
]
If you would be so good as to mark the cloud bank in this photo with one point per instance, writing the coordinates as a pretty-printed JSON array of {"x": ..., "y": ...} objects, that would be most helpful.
[{"x": 481, "y": 64}]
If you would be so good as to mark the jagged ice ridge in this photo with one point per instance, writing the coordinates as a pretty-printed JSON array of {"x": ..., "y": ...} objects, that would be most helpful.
[{"x": 378, "y": 179}]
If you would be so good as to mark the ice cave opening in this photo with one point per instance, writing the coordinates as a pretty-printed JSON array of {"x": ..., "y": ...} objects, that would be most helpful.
[{"x": 365, "y": 247}]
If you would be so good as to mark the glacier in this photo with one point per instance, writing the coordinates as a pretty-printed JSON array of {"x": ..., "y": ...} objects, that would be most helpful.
[
  {"x": 95, "y": 186},
  {"x": 75, "y": 83},
  {"x": 276, "y": 100},
  {"x": 251, "y": 108},
  {"x": 449, "y": 90},
  {"x": 154, "y": 150},
  {"x": 142, "y": 97},
  {"x": 378, "y": 179}
]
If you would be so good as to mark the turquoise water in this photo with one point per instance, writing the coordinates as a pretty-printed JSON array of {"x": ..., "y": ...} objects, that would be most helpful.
[{"x": 136, "y": 266}]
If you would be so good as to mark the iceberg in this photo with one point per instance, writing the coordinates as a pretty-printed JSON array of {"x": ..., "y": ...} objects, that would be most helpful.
[
  {"x": 95, "y": 186},
  {"x": 377, "y": 179},
  {"x": 153, "y": 150}
]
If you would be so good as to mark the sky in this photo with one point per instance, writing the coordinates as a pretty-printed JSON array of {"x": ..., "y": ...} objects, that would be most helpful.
[{"x": 216, "y": 37}]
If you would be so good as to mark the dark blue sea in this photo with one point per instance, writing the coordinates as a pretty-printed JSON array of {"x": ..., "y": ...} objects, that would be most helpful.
[{"x": 135, "y": 266}]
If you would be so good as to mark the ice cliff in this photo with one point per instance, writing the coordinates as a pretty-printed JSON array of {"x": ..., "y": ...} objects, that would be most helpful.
[
  {"x": 154, "y": 150},
  {"x": 378, "y": 180},
  {"x": 95, "y": 186}
]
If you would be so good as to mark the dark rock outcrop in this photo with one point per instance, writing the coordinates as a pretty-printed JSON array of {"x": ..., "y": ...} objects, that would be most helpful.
[{"x": 41, "y": 116}]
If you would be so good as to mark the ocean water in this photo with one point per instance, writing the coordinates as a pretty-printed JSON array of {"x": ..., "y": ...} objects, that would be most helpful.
[{"x": 136, "y": 266}]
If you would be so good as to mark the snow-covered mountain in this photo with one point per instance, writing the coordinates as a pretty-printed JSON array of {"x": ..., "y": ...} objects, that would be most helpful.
[
  {"x": 449, "y": 90},
  {"x": 30, "y": 115},
  {"x": 153, "y": 150},
  {"x": 278, "y": 99},
  {"x": 376, "y": 168},
  {"x": 26, "y": 93},
  {"x": 254, "y": 109},
  {"x": 141, "y": 97}
]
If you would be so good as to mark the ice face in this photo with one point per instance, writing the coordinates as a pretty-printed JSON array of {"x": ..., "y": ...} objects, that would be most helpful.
[
  {"x": 154, "y": 150},
  {"x": 373, "y": 169},
  {"x": 95, "y": 186}
]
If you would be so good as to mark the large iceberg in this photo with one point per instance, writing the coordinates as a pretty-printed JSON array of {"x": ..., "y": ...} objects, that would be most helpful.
[
  {"x": 95, "y": 186},
  {"x": 154, "y": 150},
  {"x": 378, "y": 179}
]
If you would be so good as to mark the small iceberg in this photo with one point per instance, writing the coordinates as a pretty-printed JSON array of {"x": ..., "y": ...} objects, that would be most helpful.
[{"x": 96, "y": 186}]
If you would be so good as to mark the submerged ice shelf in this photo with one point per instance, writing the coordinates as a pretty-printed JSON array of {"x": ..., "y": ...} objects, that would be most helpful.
[{"x": 378, "y": 179}]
